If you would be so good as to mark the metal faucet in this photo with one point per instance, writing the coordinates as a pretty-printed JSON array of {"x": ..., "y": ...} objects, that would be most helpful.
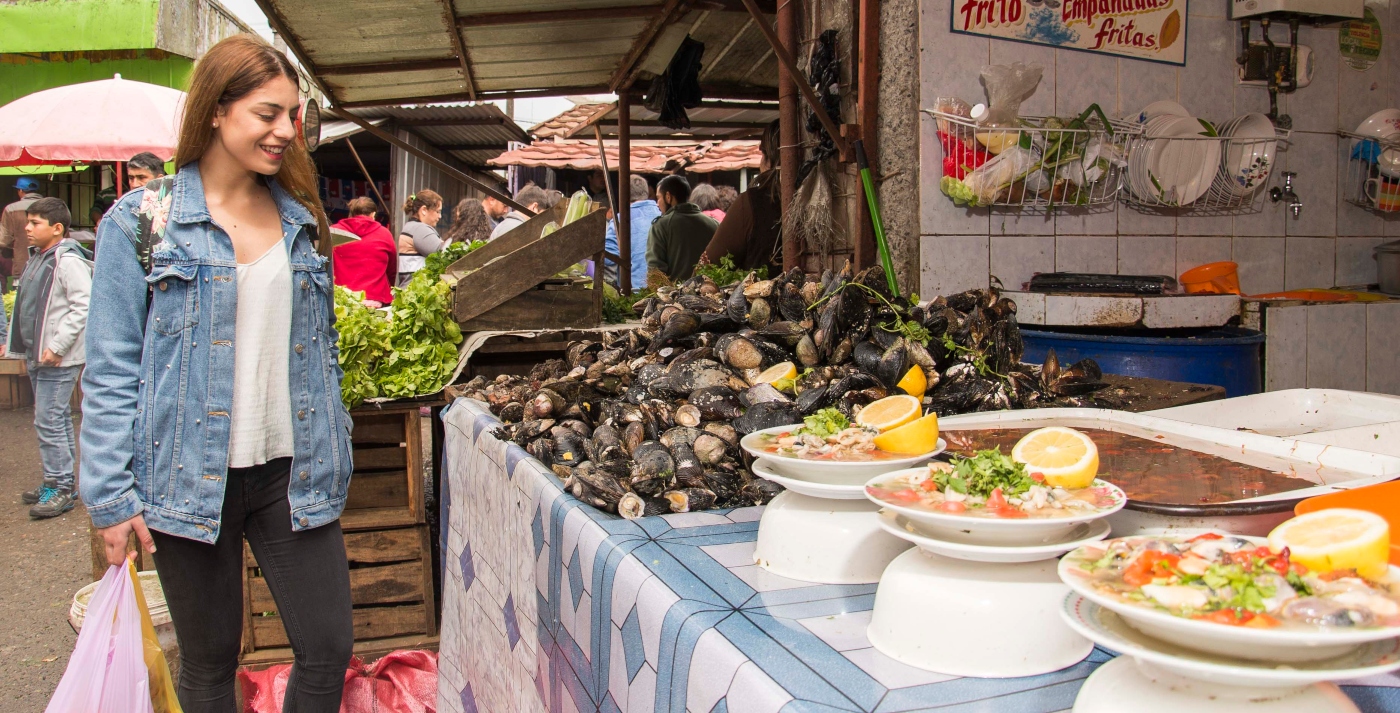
[{"x": 1295, "y": 204}]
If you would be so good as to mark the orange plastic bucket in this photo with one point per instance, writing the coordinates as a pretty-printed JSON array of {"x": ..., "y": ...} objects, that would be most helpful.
[
  {"x": 1382, "y": 499},
  {"x": 1213, "y": 278}
]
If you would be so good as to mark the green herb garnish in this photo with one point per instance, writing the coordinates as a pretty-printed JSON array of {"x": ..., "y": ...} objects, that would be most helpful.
[
  {"x": 824, "y": 423},
  {"x": 985, "y": 472}
]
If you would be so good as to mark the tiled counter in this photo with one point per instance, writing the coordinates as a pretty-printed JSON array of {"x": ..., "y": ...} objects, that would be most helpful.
[
  {"x": 551, "y": 605},
  {"x": 1353, "y": 346}
]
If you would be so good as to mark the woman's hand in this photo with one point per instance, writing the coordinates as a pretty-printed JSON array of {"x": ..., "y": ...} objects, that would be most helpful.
[{"x": 114, "y": 538}]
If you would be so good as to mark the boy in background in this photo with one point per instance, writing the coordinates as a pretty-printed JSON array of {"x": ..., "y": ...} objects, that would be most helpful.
[{"x": 46, "y": 329}]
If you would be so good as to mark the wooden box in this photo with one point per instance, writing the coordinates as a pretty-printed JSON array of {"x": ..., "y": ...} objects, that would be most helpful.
[{"x": 509, "y": 284}]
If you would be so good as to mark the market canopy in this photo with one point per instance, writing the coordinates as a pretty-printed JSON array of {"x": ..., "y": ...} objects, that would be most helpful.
[
  {"x": 373, "y": 53},
  {"x": 713, "y": 119},
  {"x": 471, "y": 133},
  {"x": 647, "y": 157},
  {"x": 107, "y": 120}
]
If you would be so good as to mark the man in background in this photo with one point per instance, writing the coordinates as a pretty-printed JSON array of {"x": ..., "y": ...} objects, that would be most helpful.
[
  {"x": 142, "y": 169},
  {"x": 644, "y": 212},
  {"x": 531, "y": 196},
  {"x": 751, "y": 228},
  {"x": 678, "y": 238},
  {"x": 496, "y": 211},
  {"x": 14, "y": 246}
]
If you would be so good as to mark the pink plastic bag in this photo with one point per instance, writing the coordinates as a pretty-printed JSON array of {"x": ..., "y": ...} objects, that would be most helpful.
[
  {"x": 107, "y": 672},
  {"x": 401, "y": 682}
]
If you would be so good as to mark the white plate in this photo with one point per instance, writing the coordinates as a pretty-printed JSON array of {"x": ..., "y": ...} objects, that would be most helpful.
[
  {"x": 1157, "y": 109},
  {"x": 1153, "y": 689},
  {"x": 1382, "y": 124},
  {"x": 973, "y": 551},
  {"x": 1006, "y": 532},
  {"x": 831, "y": 472},
  {"x": 1278, "y": 645},
  {"x": 830, "y": 491},
  {"x": 1109, "y": 630},
  {"x": 1185, "y": 165},
  {"x": 1249, "y": 153}
]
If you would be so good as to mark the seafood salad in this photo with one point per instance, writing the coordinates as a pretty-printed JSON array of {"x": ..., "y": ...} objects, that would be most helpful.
[
  {"x": 1234, "y": 582},
  {"x": 826, "y": 435},
  {"x": 993, "y": 485}
]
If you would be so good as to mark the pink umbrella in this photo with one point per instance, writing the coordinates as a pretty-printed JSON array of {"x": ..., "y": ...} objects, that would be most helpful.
[{"x": 107, "y": 120}]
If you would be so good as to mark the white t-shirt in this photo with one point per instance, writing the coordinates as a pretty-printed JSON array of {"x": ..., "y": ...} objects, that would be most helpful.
[{"x": 261, "y": 428}]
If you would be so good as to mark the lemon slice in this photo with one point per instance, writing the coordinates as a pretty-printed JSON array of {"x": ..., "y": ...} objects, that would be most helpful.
[
  {"x": 1066, "y": 457},
  {"x": 784, "y": 370},
  {"x": 917, "y": 436},
  {"x": 890, "y": 412},
  {"x": 1339, "y": 538},
  {"x": 914, "y": 383}
]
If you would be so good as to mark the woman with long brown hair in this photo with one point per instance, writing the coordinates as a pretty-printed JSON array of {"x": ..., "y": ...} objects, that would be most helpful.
[
  {"x": 212, "y": 408},
  {"x": 469, "y": 222}
]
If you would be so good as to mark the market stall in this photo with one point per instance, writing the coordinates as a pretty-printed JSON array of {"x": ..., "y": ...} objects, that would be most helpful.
[{"x": 551, "y": 605}]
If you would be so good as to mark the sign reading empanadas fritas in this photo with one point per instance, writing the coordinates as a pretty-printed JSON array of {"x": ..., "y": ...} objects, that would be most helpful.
[{"x": 1153, "y": 30}]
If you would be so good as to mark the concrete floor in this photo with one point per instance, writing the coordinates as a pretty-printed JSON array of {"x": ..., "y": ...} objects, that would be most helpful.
[{"x": 47, "y": 561}]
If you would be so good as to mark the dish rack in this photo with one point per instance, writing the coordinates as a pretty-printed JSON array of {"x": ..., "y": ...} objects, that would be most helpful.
[
  {"x": 1365, "y": 158},
  {"x": 1009, "y": 166},
  {"x": 1205, "y": 175}
]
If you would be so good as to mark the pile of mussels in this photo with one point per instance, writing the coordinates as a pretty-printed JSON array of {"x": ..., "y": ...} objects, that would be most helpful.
[{"x": 647, "y": 420}]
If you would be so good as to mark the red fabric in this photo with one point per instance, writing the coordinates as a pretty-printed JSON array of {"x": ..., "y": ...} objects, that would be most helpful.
[
  {"x": 370, "y": 263},
  {"x": 402, "y": 682}
]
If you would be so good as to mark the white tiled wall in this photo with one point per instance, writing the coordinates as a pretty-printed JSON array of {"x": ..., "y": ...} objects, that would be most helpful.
[
  {"x": 1330, "y": 244},
  {"x": 1333, "y": 346}
]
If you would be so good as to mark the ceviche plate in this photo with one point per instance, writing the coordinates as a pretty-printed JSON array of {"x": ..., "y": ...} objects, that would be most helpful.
[
  {"x": 1293, "y": 643},
  {"x": 971, "y": 549},
  {"x": 832, "y": 491},
  {"x": 1111, "y": 631},
  {"x": 987, "y": 530},
  {"x": 835, "y": 472}
]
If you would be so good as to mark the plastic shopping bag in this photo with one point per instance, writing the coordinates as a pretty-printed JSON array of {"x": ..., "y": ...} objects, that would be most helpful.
[
  {"x": 107, "y": 672},
  {"x": 401, "y": 682},
  {"x": 163, "y": 698}
]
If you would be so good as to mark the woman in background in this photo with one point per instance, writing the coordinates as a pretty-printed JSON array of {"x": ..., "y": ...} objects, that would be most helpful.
[
  {"x": 706, "y": 198},
  {"x": 370, "y": 264},
  {"x": 469, "y": 222},
  {"x": 419, "y": 237}
]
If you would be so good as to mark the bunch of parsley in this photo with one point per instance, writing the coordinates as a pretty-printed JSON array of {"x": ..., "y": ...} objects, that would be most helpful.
[{"x": 983, "y": 473}]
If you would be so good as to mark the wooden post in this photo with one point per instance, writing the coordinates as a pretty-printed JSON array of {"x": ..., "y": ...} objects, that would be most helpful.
[
  {"x": 789, "y": 124},
  {"x": 867, "y": 103},
  {"x": 624, "y": 190},
  {"x": 599, "y": 265}
]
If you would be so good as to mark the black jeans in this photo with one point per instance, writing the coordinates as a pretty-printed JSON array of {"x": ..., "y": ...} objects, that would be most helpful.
[{"x": 310, "y": 583}]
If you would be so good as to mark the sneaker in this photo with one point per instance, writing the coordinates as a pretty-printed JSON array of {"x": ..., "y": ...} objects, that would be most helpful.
[
  {"x": 52, "y": 503},
  {"x": 30, "y": 497}
]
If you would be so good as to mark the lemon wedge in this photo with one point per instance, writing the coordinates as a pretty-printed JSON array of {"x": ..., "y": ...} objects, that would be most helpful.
[
  {"x": 890, "y": 412},
  {"x": 914, "y": 382},
  {"x": 1066, "y": 457},
  {"x": 917, "y": 436},
  {"x": 783, "y": 370},
  {"x": 1338, "y": 538}
]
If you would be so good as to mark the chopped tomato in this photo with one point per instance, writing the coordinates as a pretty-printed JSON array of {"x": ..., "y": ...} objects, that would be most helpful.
[
  {"x": 1232, "y": 617},
  {"x": 1280, "y": 563},
  {"x": 1008, "y": 512},
  {"x": 929, "y": 484},
  {"x": 996, "y": 500},
  {"x": 1298, "y": 569},
  {"x": 1149, "y": 566},
  {"x": 952, "y": 506},
  {"x": 908, "y": 496},
  {"x": 1038, "y": 477},
  {"x": 1206, "y": 536},
  {"x": 1241, "y": 557},
  {"x": 1263, "y": 621}
]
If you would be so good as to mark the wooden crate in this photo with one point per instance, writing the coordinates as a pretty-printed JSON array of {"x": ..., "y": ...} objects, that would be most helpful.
[
  {"x": 391, "y": 589},
  {"x": 386, "y": 489},
  {"x": 553, "y": 304}
]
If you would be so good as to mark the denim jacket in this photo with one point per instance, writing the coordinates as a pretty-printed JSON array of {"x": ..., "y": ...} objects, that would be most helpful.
[{"x": 159, "y": 383}]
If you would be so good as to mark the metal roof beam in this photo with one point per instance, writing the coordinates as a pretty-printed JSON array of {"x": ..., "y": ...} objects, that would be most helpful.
[
  {"x": 491, "y": 19},
  {"x": 483, "y": 96},
  {"x": 412, "y": 65},
  {"x": 695, "y": 124},
  {"x": 449, "y": 20},
  {"x": 279, "y": 24},
  {"x": 473, "y": 147},
  {"x": 488, "y": 121},
  {"x": 627, "y": 68}
]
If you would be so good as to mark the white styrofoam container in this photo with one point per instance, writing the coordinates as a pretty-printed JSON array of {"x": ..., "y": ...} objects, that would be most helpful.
[{"x": 1291, "y": 412}]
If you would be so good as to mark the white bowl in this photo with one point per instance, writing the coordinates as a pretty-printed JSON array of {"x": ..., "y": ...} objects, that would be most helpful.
[
  {"x": 825, "y": 541},
  {"x": 1382, "y": 124},
  {"x": 1281, "y": 645},
  {"x": 1154, "y": 690},
  {"x": 1112, "y": 632},
  {"x": 972, "y": 618},
  {"x": 973, "y": 551},
  {"x": 993, "y": 531},
  {"x": 764, "y": 469},
  {"x": 1250, "y": 152},
  {"x": 832, "y": 472},
  {"x": 1161, "y": 108}
]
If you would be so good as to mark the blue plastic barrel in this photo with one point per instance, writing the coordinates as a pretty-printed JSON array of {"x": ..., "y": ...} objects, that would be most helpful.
[{"x": 1229, "y": 356}]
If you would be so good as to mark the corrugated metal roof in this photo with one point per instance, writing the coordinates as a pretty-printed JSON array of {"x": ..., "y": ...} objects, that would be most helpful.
[
  {"x": 471, "y": 133},
  {"x": 647, "y": 156},
  {"x": 405, "y": 52}
]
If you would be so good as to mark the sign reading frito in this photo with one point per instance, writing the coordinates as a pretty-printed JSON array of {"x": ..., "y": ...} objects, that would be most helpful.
[{"x": 1152, "y": 30}]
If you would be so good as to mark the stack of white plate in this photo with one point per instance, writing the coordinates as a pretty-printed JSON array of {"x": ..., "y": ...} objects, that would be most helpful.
[
  {"x": 978, "y": 597},
  {"x": 1175, "y": 162},
  {"x": 1384, "y": 125},
  {"x": 822, "y": 529},
  {"x": 1174, "y": 663},
  {"x": 1251, "y": 145}
]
